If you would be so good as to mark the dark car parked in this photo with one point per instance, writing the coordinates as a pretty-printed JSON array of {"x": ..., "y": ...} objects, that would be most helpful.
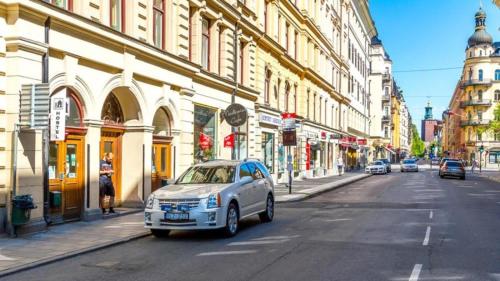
[{"x": 452, "y": 169}]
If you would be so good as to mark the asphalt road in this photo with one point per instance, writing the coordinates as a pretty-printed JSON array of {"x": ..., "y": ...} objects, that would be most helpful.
[{"x": 402, "y": 226}]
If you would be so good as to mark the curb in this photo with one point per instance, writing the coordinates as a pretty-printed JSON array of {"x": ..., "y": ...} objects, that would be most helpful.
[
  {"x": 319, "y": 189},
  {"x": 45, "y": 261}
]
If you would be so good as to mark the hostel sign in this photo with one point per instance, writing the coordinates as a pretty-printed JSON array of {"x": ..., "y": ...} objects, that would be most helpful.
[{"x": 58, "y": 116}]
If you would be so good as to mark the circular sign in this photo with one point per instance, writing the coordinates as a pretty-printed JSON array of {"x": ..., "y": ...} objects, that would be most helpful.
[{"x": 236, "y": 115}]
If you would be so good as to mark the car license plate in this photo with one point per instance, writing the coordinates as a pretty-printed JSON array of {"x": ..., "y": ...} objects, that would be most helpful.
[{"x": 176, "y": 216}]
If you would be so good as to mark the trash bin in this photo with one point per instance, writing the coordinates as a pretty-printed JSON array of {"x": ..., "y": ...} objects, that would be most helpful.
[
  {"x": 55, "y": 199},
  {"x": 21, "y": 209}
]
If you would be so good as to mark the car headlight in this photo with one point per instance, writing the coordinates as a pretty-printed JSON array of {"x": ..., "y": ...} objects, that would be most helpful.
[
  {"x": 150, "y": 202},
  {"x": 214, "y": 201}
]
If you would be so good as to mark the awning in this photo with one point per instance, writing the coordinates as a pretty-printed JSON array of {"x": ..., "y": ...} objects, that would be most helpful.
[{"x": 390, "y": 150}]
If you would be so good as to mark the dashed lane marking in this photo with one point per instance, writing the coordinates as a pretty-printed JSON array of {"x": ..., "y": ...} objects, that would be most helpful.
[
  {"x": 276, "y": 237},
  {"x": 224, "y": 253},
  {"x": 427, "y": 235},
  {"x": 431, "y": 214},
  {"x": 5, "y": 258},
  {"x": 334, "y": 220},
  {"x": 259, "y": 242},
  {"x": 416, "y": 272}
]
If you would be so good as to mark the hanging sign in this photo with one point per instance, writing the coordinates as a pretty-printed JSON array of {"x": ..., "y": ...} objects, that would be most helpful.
[
  {"x": 229, "y": 141},
  {"x": 236, "y": 115},
  {"x": 204, "y": 142},
  {"x": 289, "y": 138},
  {"x": 58, "y": 116},
  {"x": 289, "y": 121},
  {"x": 362, "y": 141}
]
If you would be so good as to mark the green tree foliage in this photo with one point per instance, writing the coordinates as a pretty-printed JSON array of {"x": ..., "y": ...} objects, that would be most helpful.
[{"x": 417, "y": 145}]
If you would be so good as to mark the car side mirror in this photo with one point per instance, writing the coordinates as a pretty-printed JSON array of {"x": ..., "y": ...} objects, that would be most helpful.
[{"x": 246, "y": 180}]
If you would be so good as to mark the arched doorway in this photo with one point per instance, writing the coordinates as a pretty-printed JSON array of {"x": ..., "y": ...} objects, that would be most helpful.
[
  {"x": 161, "y": 152},
  {"x": 66, "y": 163},
  {"x": 111, "y": 138}
]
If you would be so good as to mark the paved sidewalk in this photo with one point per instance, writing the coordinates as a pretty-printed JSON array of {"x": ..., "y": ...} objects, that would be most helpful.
[
  {"x": 67, "y": 240},
  {"x": 309, "y": 187}
]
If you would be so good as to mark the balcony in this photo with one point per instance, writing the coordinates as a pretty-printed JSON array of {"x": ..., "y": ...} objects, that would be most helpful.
[
  {"x": 474, "y": 122},
  {"x": 386, "y": 119},
  {"x": 475, "y": 82},
  {"x": 386, "y": 77},
  {"x": 482, "y": 102},
  {"x": 386, "y": 98}
]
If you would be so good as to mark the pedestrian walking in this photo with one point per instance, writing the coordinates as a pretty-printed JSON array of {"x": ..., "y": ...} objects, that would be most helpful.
[
  {"x": 340, "y": 165},
  {"x": 106, "y": 187},
  {"x": 474, "y": 165}
]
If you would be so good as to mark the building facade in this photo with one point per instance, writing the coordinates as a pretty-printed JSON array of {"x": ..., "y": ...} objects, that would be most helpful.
[{"x": 149, "y": 81}]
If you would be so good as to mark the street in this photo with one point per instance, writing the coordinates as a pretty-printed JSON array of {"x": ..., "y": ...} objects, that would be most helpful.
[{"x": 403, "y": 226}]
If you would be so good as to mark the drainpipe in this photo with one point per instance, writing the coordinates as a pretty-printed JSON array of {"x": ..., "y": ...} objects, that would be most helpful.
[{"x": 45, "y": 133}]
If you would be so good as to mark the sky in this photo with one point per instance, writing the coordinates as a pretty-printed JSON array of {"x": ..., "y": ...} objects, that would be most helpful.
[{"x": 429, "y": 34}]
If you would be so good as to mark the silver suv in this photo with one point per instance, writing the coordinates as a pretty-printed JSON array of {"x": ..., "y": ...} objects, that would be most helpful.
[{"x": 212, "y": 195}]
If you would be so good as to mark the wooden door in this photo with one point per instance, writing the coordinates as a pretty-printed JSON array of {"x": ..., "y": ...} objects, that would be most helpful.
[
  {"x": 160, "y": 164},
  {"x": 66, "y": 176},
  {"x": 111, "y": 142}
]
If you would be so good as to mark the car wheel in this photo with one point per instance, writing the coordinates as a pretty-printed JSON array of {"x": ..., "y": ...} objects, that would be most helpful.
[
  {"x": 160, "y": 233},
  {"x": 232, "y": 221},
  {"x": 462, "y": 177},
  {"x": 268, "y": 214}
]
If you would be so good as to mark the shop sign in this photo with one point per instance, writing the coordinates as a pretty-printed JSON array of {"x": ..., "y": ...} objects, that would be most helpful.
[
  {"x": 335, "y": 136},
  {"x": 58, "y": 116},
  {"x": 289, "y": 121},
  {"x": 229, "y": 141},
  {"x": 311, "y": 135},
  {"x": 236, "y": 115},
  {"x": 289, "y": 138},
  {"x": 204, "y": 142},
  {"x": 323, "y": 135},
  {"x": 352, "y": 139},
  {"x": 269, "y": 119},
  {"x": 362, "y": 142}
]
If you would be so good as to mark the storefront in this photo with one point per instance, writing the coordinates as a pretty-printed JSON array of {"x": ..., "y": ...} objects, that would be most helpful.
[
  {"x": 272, "y": 152},
  {"x": 205, "y": 133}
]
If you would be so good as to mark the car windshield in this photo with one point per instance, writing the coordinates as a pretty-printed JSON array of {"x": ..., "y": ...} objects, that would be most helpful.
[
  {"x": 409, "y": 161},
  {"x": 377, "y": 163},
  {"x": 208, "y": 174}
]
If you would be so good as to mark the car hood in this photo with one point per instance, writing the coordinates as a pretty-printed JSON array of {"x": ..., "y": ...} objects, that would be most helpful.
[{"x": 184, "y": 191}]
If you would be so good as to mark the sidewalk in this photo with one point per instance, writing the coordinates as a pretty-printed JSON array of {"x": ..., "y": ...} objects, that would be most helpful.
[
  {"x": 309, "y": 187},
  {"x": 67, "y": 240},
  {"x": 71, "y": 239}
]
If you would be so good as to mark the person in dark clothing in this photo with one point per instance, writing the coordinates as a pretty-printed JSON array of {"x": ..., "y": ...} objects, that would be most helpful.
[{"x": 106, "y": 187}]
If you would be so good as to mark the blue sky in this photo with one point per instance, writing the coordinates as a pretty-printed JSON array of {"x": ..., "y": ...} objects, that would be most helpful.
[{"x": 423, "y": 34}]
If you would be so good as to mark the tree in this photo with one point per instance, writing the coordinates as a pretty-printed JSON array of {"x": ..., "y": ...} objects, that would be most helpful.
[
  {"x": 417, "y": 145},
  {"x": 494, "y": 125}
]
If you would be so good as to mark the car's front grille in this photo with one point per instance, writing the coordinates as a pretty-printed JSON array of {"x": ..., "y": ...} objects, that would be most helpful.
[{"x": 193, "y": 203}]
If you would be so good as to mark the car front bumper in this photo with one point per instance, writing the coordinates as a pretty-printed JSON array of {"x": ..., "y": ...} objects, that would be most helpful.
[
  {"x": 375, "y": 171},
  {"x": 453, "y": 174},
  {"x": 409, "y": 169},
  {"x": 199, "y": 218}
]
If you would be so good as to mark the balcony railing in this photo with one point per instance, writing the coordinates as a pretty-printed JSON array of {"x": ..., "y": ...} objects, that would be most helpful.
[
  {"x": 482, "y": 102},
  {"x": 475, "y": 82},
  {"x": 386, "y": 77},
  {"x": 386, "y": 97},
  {"x": 386, "y": 118},
  {"x": 474, "y": 122}
]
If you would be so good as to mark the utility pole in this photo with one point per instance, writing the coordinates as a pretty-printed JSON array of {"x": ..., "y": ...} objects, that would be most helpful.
[{"x": 235, "y": 89}]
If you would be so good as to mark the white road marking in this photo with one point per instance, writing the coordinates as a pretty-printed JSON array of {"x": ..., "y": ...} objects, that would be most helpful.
[
  {"x": 416, "y": 272},
  {"x": 276, "y": 237},
  {"x": 132, "y": 223},
  {"x": 492, "y": 191},
  {"x": 260, "y": 242},
  {"x": 338, "y": 220},
  {"x": 481, "y": 194},
  {"x": 428, "y": 190},
  {"x": 431, "y": 214},
  {"x": 113, "y": 226},
  {"x": 222, "y": 253},
  {"x": 5, "y": 258},
  {"x": 427, "y": 234}
]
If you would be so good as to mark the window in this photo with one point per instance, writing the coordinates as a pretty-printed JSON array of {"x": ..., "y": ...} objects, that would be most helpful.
[
  {"x": 205, "y": 44},
  {"x": 287, "y": 95},
  {"x": 117, "y": 15},
  {"x": 245, "y": 171},
  {"x": 320, "y": 104},
  {"x": 265, "y": 16},
  {"x": 479, "y": 136},
  {"x": 497, "y": 74},
  {"x": 497, "y": 95},
  {"x": 308, "y": 98},
  {"x": 479, "y": 115},
  {"x": 267, "y": 82},
  {"x": 295, "y": 40},
  {"x": 205, "y": 133},
  {"x": 279, "y": 29},
  {"x": 254, "y": 172},
  {"x": 295, "y": 99},
  {"x": 159, "y": 22},
  {"x": 268, "y": 150},
  {"x": 314, "y": 107},
  {"x": 287, "y": 27},
  {"x": 277, "y": 94},
  {"x": 65, "y": 4},
  {"x": 480, "y": 75},
  {"x": 242, "y": 62}
]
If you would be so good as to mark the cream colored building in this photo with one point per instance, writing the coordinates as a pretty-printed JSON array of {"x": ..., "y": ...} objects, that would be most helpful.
[{"x": 150, "y": 80}]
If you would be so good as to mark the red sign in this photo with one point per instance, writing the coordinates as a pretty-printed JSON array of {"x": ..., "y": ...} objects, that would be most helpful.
[
  {"x": 352, "y": 139},
  {"x": 362, "y": 142},
  {"x": 288, "y": 115},
  {"x": 204, "y": 141},
  {"x": 323, "y": 135},
  {"x": 229, "y": 141},
  {"x": 389, "y": 146}
]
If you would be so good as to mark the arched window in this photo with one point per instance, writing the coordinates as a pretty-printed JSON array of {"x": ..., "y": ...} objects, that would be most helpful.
[
  {"x": 480, "y": 74},
  {"x": 74, "y": 116},
  {"x": 497, "y": 74},
  {"x": 111, "y": 111},
  {"x": 162, "y": 123}
]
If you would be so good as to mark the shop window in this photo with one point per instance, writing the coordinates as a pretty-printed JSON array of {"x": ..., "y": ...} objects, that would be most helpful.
[
  {"x": 74, "y": 116},
  {"x": 268, "y": 150},
  {"x": 494, "y": 157},
  {"x": 53, "y": 148},
  {"x": 159, "y": 23},
  {"x": 204, "y": 133},
  {"x": 117, "y": 15},
  {"x": 497, "y": 95}
]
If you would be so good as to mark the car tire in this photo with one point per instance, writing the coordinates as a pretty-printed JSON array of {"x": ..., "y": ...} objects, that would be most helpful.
[
  {"x": 462, "y": 178},
  {"x": 232, "y": 220},
  {"x": 160, "y": 233},
  {"x": 268, "y": 214}
]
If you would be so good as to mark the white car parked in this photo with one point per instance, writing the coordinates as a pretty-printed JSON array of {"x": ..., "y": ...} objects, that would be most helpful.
[
  {"x": 212, "y": 195},
  {"x": 377, "y": 167}
]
